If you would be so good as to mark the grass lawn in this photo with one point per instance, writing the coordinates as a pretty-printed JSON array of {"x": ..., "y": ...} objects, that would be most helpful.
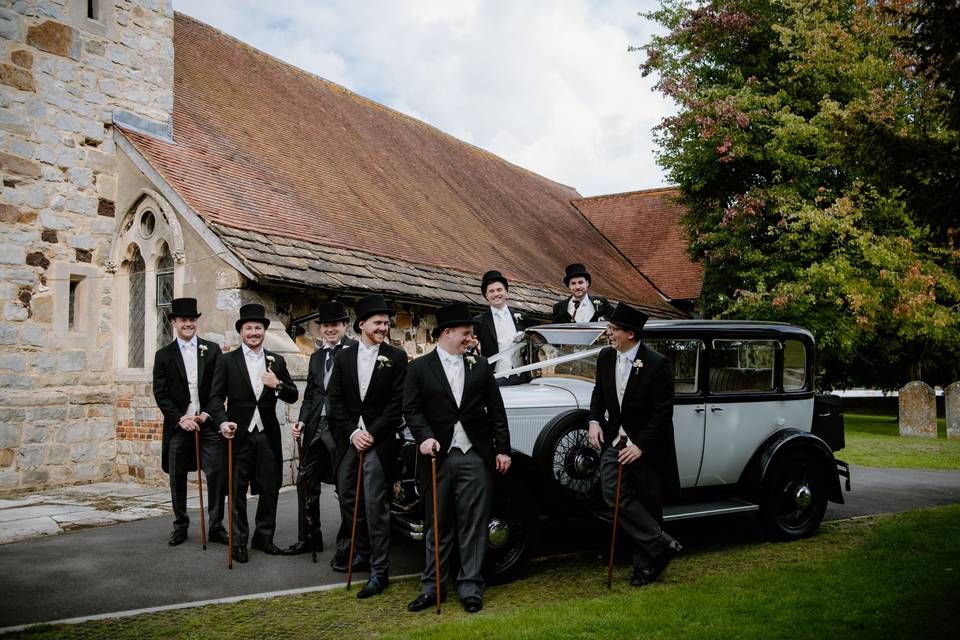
[
  {"x": 873, "y": 440},
  {"x": 887, "y": 576}
]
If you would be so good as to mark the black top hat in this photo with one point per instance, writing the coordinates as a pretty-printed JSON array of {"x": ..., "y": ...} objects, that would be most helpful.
[
  {"x": 628, "y": 317},
  {"x": 492, "y": 276},
  {"x": 576, "y": 270},
  {"x": 183, "y": 308},
  {"x": 455, "y": 314},
  {"x": 332, "y": 311},
  {"x": 252, "y": 313},
  {"x": 371, "y": 305}
]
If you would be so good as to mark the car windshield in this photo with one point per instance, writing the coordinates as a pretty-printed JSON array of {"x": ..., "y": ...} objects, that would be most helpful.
[{"x": 546, "y": 343}]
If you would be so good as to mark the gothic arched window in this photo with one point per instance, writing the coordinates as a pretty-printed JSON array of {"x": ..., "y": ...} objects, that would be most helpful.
[{"x": 136, "y": 277}]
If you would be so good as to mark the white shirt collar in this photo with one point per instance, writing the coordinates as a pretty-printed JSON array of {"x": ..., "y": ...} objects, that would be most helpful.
[
  {"x": 448, "y": 357},
  {"x": 250, "y": 353},
  {"x": 192, "y": 341},
  {"x": 367, "y": 351},
  {"x": 498, "y": 312},
  {"x": 632, "y": 354}
]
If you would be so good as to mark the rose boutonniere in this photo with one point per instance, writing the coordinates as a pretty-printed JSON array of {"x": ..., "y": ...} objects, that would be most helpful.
[
  {"x": 270, "y": 360},
  {"x": 518, "y": 316},
  {"x": 202, "y": 348},
  {"x": 383, "y": 361},
  {"x": 637, "y": 364},
  {"x": 470, "y": 361}
]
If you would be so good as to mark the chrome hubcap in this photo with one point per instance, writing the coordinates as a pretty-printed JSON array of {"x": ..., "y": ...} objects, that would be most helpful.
[
  {"x": 802, "y": 497},
  {"x": 498, "y": 532},
  {"x": 585, "y": 462}
]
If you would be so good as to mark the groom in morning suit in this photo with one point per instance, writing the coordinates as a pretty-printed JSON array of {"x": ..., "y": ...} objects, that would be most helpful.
[
  {"x": 453, "y": 407},
  {"x": 366, "y": 404},
  {"x": 249, "y": 381},
  {"x": 631, "y": 421},
  {"x": 182, "y": 374}
]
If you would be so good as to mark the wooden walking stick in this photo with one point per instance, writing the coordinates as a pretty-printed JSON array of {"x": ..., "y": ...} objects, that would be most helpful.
[
  {"x": 203, "y": 526},
  {"x": 616, "y": 522},
  {"x": 353, "y": 532},
  {"x": 306, "y": 500},
  {"x": 230, "y": 503},
  {"x": 436, "y": 530}
]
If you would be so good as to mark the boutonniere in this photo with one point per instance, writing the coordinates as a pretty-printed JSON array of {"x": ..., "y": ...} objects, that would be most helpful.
[
  {"x": 470, "y": 361},
  {"x": 637, "y": 364},
  {"x": 270, "y": 360},
  {"x": 202, "y": 348},
  {"x": 383, "y": 361},
  {"x": 518, "y": 316}
]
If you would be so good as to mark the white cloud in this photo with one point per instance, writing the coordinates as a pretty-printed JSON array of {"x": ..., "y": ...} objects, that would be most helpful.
[{"x": 545, "y": 84}]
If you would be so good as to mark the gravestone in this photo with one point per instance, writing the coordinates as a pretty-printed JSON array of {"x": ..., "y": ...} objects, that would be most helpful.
[
  {"x": 918, "y": 410},
  {"x": 951, "y": 398}
]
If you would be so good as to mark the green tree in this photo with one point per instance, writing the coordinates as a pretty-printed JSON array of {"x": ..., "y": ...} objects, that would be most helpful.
[{"x": 817, "y": 159}]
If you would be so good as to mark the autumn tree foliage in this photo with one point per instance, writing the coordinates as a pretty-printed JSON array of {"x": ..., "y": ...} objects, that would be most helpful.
[{"x": 817, "y": 151}]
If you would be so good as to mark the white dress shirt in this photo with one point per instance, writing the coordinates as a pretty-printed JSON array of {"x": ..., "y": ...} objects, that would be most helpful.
[
  {"x": 256, "y": 367},
  {"x": 453, "y": 367},
  {"x": 583, "y": 313},
  {"x": 624, "y": 370},
  {"x": 506, "y": 333},
  {"x": 188, "y": 351},
  {"x": 366, "y": 362}
]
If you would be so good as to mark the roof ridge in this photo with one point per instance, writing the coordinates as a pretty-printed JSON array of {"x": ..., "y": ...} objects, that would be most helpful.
[
  {"x": 363, "y": 99},
  {"x": 625, "y": 194}
]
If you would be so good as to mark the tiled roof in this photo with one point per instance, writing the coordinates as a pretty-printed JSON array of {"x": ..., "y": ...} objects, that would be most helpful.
[
  {"x": 261, "y": 145},
  {"x": 646, "y": 226}
]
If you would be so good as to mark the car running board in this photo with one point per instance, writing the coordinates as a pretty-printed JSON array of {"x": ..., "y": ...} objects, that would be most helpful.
[{"x": 712, "y": 508}]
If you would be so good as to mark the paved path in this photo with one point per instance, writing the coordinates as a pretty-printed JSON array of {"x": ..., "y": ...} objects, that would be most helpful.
[{"x": 129, "y": 566}]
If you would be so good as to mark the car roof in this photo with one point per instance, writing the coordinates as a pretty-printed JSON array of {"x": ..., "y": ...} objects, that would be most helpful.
[{"x": 693, "y": 328}]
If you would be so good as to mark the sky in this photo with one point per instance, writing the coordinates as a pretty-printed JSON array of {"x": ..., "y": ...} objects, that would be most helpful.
[{"x": 545, "y": 84}]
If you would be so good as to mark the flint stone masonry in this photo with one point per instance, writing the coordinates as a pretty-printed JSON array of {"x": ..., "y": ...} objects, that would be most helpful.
[
  {"x": 918, "y": 410},
  {"x": 951, "y": 398},
  {"x": 58, "y": 217}
]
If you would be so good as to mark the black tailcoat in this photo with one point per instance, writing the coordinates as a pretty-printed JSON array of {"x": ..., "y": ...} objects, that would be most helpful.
[
  {"x": 381, "y": 407},
  {"x": 646, "y": 415},
  {"x": 601, "y": 309},
  {"x": 232, "y": 387},
  {"x": 431, "y": 411},
  {"x": 172, "y": 393},
  {"x": 316, "y": 396}
]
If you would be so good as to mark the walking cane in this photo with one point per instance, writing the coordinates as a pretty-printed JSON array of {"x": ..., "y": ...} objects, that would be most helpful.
[
  {"x": 353, "y": 532},
  {"x": 306, "y": 500},
  {"x": 203, "y": 526},
  {"x": 436, "y": 530},
  {"x": 230, "y": 503},
  {"x": 616, "y": 522}
]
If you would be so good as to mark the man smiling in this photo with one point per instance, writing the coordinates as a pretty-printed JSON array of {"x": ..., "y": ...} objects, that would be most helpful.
[{"x": 580, "y": 306}]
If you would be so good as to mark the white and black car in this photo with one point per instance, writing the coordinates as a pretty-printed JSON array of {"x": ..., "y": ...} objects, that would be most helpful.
[{"x": 751, "y": 432}]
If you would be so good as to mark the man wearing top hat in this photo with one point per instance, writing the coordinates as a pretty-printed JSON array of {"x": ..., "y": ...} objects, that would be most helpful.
[
  {"x": 319, "y": 449},
  {"x": 580, "y": 306},
  {"x": 500, "y": 327},
  {"x": 631, "y": 422},
  {"x": 366, "y": 404},
  {"x": 182, "y": 375},
  {"x": 452, "y": 405},
  {"x": 246, "y": 387}
]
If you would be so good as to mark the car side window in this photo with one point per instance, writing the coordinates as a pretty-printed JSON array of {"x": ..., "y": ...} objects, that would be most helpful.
[
  {"x": 684, "y": 358},
  {"x": 740, "y": 366},
  {"x": 794, "y": 365}
]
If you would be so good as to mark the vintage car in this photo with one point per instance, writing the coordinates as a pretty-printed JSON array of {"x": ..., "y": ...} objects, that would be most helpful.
[{"x": 751, "y": 433}]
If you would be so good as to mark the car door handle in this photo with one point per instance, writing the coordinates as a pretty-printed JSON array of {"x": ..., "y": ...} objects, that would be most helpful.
[
  {"x": 715, "y": 409},
  {"x": 699, "y": 409}
]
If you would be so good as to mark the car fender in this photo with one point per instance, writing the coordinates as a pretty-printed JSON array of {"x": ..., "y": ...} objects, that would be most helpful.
[{"x": 789, "y": 440}]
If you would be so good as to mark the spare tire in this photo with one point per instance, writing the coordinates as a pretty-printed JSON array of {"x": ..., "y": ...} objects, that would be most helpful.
[{"x": 564, "y": 453}]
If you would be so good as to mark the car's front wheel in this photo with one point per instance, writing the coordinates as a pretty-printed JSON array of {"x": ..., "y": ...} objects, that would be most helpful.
[
  {"x": 511, "y": 536},
  {"x": 794, "y": 496}
]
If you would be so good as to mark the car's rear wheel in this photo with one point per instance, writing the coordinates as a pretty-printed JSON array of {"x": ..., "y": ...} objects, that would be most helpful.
[
  {"x": 564, "y": 452},
  {"x": 794, "y": 496},
  {"x": 511, "y": 536}
]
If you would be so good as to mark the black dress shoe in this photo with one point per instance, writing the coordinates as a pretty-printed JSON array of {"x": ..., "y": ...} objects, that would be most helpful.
[
  {"x": 375, "y": 585},
  {"x": 660, "y": 563},
  {"x": 472, "y": 604},
  {"x": 339, "y": 563},
  {"x": 297, "y": 548},
  {"x": 177, "y": 537},
  {"x": 639, "y": 577},
  {"x": 425, "y": 601},
  {"x": 240, "y": 554},
  {"x": 218, "y": 535},
  {"x": 266, "y": 547}
]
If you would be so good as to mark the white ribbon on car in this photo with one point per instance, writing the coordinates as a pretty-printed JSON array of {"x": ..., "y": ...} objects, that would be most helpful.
[
  {"x": 570, "y": 357},
  {"x": 506, "y": 353}
]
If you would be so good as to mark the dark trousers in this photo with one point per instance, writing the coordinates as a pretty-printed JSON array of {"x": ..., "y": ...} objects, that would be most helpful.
[
  {"x": 373, "y": 518},
  {"x": 464, "y": 498},
  {"x": 308, "y": 492},
  {"x": 254, "y": 459},
  {"x": 641, "y": 510},
  {"x": 180, "y": 456}
]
